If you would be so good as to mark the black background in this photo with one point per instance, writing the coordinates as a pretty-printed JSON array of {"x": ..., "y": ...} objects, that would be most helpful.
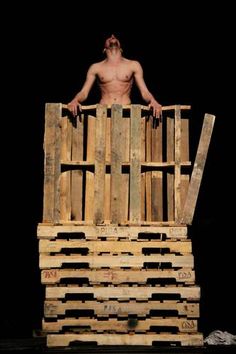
[{"x": 187, "y": 58}]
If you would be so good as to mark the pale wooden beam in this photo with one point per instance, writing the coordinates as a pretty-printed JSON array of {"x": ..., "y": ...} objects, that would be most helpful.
[{"x": 198, "y": 169}]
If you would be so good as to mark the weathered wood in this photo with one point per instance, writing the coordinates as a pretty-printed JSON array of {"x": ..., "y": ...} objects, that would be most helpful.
[
  {"x": 198, "y": 169},
  {"x": 51, "y": 209},
  {"x": 116, "y": 159},
  {"x": 133, "y": 247},
  {"x": 77, "y": 175},
  {"x": 53, "y": 308},
  {"x": 117, "y": 276},
  {"x": 170, "y": 174},
  {"x": 184, "y": 339},
  {"x": 65, "y": 177},
  {"x": 135, "y": 167},
  {"x": 104, "y": 260},
  {"x": 177, "y": 171},
  {"x": 145, "y": 108},
  {"x": 125, "y": 146},
  {"x": 182, "y": 324},
  {"x": 148, "y": 184},
  {"x": 100, "y": 150},
  {"x": 90, "y": 149},
  {"x": 132, "y": 232},
  {"x": 157, "y": 176},
  {"x": 124, "y": 293}
]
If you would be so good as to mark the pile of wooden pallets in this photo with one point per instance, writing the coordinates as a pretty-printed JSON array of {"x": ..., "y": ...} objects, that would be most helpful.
[{"x": 115, "y": 255}]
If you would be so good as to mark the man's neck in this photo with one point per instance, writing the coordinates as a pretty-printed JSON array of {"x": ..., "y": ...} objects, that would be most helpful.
[{"x": 114, "y": 55}]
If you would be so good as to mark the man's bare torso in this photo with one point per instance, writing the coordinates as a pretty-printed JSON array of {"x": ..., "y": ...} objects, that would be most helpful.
[{"x": 115, "y": 81}]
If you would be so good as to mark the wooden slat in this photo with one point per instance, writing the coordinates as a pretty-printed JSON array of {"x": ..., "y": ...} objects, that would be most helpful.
[
  {"x": 127, "y": 164},
  {"x": 121, "y": 325},
  {"x": 170, "y": 175},
  {"x": 145, "y": 108},
  {"x": 100, "y": 150},
  {"x": 135, "y": 167},
  {"x": 148, "y": 182},
  {"x": 107, "y": 202},
  {"x": 125, "y": 146},
  {"x": 117, "y": 276},
  {"x": 184, "y": 157},
  {"x": 184, "y": 339},
  {"x": 104, "y": 260},
  {"x": 77, "y": 175},
  {"x": 198, "y": 169},
  {"x": 157, "y": 176},
  {"x": 51, "y": 208},
  {"x": 51, "y": 231},
  {"x": 124, "y": 292},
  {"x": 65, "y": 178},
  {"x": 53, "y": 308},
  {"x": 116, "y": 159},
  {"x": 89, "y": 189},
  {"x": 177, "y": 171},
  {"x": 133, "y": 247}
]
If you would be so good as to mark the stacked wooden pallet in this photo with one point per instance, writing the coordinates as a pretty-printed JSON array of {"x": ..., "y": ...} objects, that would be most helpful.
[
  {"x": 115, "y": 287},
  {"x": 115, "y": 257}
]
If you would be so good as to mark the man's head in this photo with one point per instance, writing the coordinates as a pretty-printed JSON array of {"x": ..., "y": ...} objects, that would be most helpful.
[{"x": 112, "y": 43}]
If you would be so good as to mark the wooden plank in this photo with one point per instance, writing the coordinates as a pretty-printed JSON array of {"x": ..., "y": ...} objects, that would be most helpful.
[
  {"x": 124, "y": 292},
  {"x": 51, "y": 231},
  {"x": 135, "y": 167},
  {"x": 121, "y": 325},
  {"x": 170, "y": 175},
  {"x": 198, "y": 169},
  {"x": 128, "y": 106},
  {"x": 184, "y": 189},
  {"x": 89, "y": 186},
  {"x": 65, "y": 178},
  {"x": 104, "y": 260},
  {"x": 184, "y": 157},
  {"x": 125, "y": 146},
  {"x": 143, "y": 174},
  {"x": 117, "y": 276},
  {"x": 51, "y": 162},
  {"x": 77, "y": 175},
  {"x": 107, "y": 202},
  {"x": 53, "y": 308},
  {"x": 184, "y": 339},
  {"x": 100, "y": 150},
  {"x": 133, "y": 247},
  {"x": 177, "y": 171},
  {"x": 127, "y": 164},
  {"x": 116, "y": 159},
  {"x": 157, "y": 176},
  {"x": 148, "y": 173}
]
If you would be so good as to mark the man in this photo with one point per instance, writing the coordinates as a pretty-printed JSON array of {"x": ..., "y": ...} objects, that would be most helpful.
[{"x": 115, "y": 77}]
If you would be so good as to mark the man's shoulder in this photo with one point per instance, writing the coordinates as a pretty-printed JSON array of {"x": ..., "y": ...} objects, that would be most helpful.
[
  {"x": 97, "y": 65},
  {"x": 131, "y": 62}
]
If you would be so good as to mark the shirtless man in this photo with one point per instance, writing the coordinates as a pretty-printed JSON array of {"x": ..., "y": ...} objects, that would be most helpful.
[{"x": 115, "y": 77}]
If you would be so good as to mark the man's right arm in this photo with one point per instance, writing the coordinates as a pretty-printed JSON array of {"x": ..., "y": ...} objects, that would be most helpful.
[{"x": 83, "y": 93}]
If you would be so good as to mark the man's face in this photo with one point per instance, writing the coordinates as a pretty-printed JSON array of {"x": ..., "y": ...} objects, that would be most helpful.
[{"x": 112, "y": 42}]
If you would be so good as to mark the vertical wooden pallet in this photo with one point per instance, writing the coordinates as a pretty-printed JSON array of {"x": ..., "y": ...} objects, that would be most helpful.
[
  {"x": 115, "y": 166},
  {"x": 116, "y": 187}
]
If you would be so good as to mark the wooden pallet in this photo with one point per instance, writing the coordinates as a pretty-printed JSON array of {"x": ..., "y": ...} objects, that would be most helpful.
[{"x": 115, "y": 256}]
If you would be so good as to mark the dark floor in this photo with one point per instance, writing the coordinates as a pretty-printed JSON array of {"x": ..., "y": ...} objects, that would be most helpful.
[{"x": 38, "y": 345}]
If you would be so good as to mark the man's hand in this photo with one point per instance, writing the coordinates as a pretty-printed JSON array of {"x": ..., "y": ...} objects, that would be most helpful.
[
  {"x": 156, "y": 108},
  {"x": 73, "y": 107}
]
